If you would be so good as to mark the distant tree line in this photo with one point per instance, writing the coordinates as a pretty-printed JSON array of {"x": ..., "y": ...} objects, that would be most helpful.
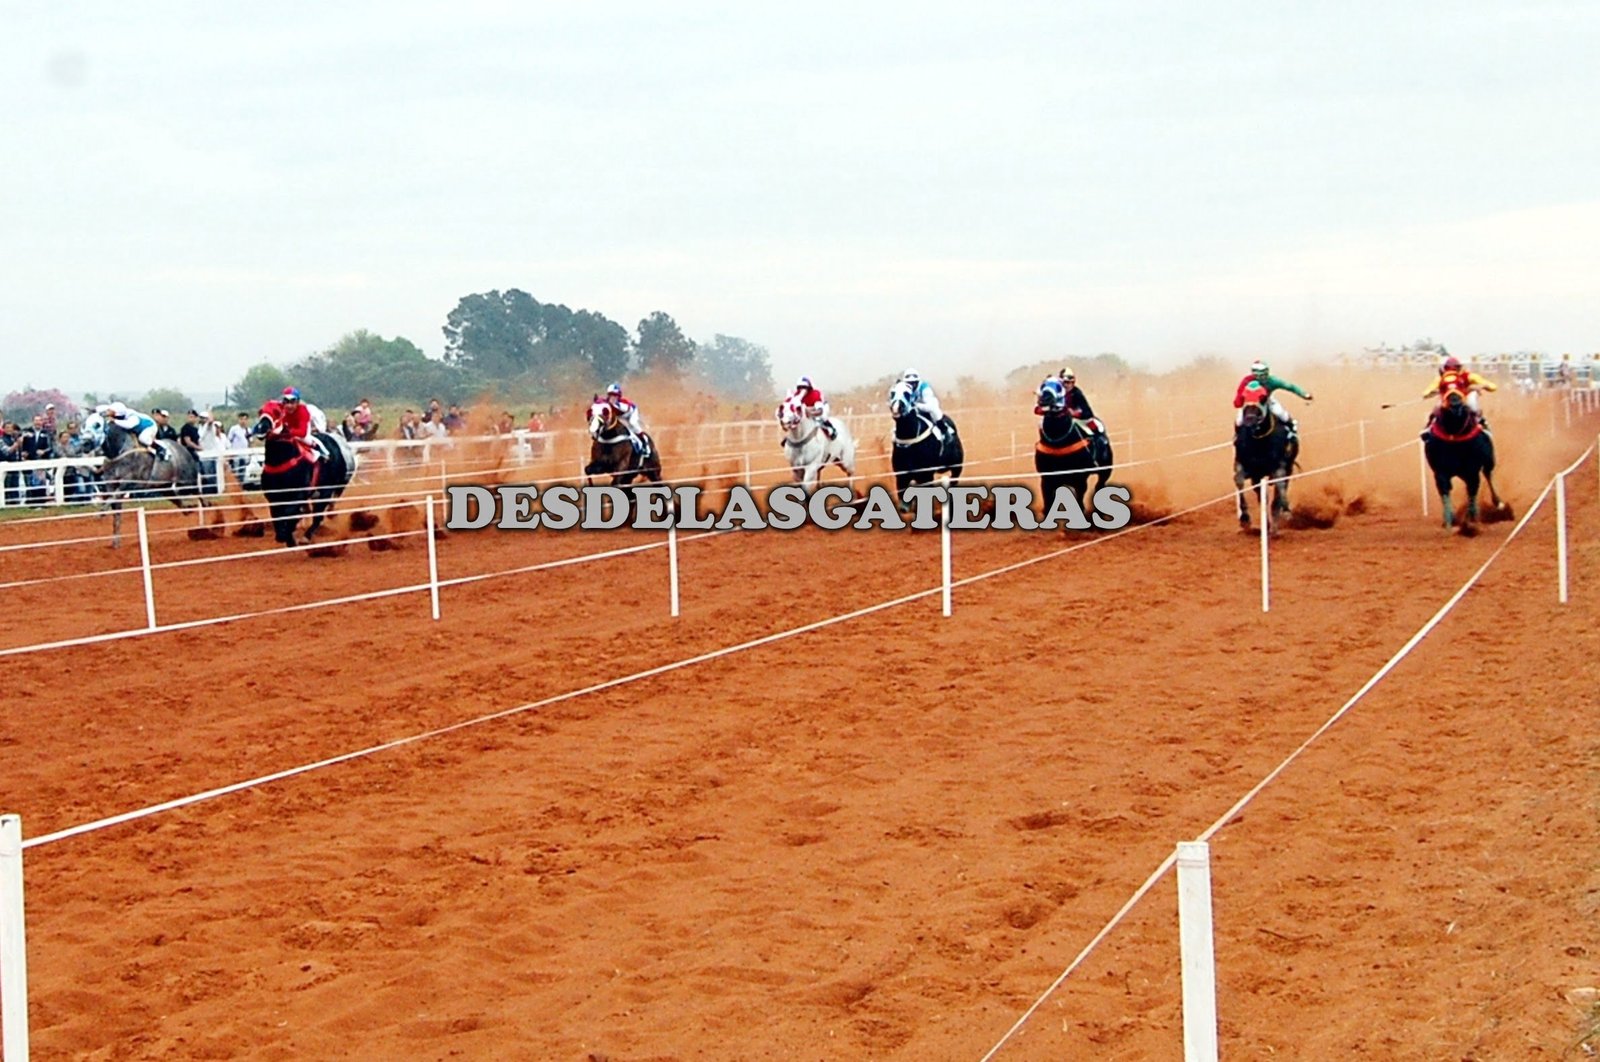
[{"x": 518, "y": 348}]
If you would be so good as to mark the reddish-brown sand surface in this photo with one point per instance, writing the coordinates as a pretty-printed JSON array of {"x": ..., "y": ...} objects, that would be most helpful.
[{"x": 884, "y": 838}]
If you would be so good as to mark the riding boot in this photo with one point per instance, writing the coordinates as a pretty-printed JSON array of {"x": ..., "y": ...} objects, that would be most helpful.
[{"x": 829, "y": 430}]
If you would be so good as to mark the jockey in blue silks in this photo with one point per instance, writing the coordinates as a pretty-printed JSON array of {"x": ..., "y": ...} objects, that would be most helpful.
[
  {"x": 140, "y": 425},
  {"x": 924, "y": 400}
]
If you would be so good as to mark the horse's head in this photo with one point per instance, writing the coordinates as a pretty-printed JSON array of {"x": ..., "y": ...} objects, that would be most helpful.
[
  {"x": 601, "y": 417},
  {"x": 269, "y": 420},
  {"x": 789, "y": 414},
  {"x": 92, "y": 433},
  {"x": 1454, "y": 401},
  {"x": 1253, "y": 414},
  {"x": 1052, "y": 395},
  {"x": 901, "y": 402}
]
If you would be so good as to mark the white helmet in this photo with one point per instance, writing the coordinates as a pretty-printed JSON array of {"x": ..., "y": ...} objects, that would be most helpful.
[
  {"x": 1067, "y": 376},
  {"x": 910, "y": 376},
  {"x": 804, "y": 383},
  {"x": 118, "y": 409}
]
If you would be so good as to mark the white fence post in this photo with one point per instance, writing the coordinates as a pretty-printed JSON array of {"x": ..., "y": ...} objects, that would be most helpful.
[
  {"x": 1265, "y": 518},
  {"x": 944, "y": 551},
  {"x": 672, "y": 560},
  {"x": 1422, "y": 461},
  {"x": 1361, "y": 427},
  {"x": 144, "y": 563},
  {"x": 433, "y": 562},
  {"x": 1198, "y": 956},
  {"x": 1561, "y": 535},
  {"x": 13, "y": 944}
]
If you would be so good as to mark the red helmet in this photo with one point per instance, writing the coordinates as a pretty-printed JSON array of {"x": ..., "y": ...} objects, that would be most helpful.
[{"x": 1452, "y": 363}]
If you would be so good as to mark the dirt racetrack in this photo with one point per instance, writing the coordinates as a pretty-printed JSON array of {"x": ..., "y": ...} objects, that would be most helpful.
[{"x": 884, "y": 838}]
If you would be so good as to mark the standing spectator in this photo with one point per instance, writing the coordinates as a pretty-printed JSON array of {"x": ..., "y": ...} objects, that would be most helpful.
[
  {"x": 536, "y": 426},
  {"x": 164, "y": 428},
  {"x": 409, "y": 425},
  {"x": 75, "y": 482},
  {"x": 36, "y": 444},
  {"x": 11, "y": 482},
  {"x": 505, "y": 424},
  {"x": 454, "y": 422},
  {"x": 366, "y": 421},
  {"x": 189, "y": 434},
  {"x": 213, "y": 444},
  {"x": 239, "y": 443},
  {"x": 50, "y": 417}
]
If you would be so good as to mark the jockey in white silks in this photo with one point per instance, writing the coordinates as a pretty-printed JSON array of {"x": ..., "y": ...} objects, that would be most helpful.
[
  {"x": 140, "y": 425},
  {"x": 925, "y": 401},
  {"x": 628, "y": 416}
]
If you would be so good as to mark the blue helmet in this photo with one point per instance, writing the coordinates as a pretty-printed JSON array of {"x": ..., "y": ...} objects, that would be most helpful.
[
  {"x": 1052, "y": 392},
  {"x": 291, "y": 394},
  {"x": 614, "y": 389}
]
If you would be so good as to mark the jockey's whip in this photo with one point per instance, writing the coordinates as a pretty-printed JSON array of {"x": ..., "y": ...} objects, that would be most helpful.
[{"x": 1408, "y": 402}]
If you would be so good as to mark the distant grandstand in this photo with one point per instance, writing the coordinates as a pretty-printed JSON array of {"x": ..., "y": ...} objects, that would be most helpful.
[{"x": 1531, "y": 369}]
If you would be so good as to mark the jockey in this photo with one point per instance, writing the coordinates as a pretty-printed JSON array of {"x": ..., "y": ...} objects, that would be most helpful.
[
  {"x": 295, "y": 425},
  {"x": 806, "y": 396},
  {"x": 924, "y": 400},
  {"x": 1262, "y": 377},
  {"x": 1453, "y": 376},
  {"x": 1076, "y": 403},
  {"x": 628, "y": 416},
  {"x": 141, "y": 425}
]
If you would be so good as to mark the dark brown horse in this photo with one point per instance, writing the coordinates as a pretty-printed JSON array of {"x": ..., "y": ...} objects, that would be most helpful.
[{"x": 612, "y": 451}]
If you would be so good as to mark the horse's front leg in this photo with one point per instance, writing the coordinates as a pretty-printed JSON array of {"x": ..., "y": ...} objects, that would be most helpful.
[
  {"x": 1244, "y": 506},
  {"x": 1472, "y": 497}
]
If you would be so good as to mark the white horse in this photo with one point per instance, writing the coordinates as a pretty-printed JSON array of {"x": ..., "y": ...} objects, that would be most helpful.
[{"x": 810, "y": 450}]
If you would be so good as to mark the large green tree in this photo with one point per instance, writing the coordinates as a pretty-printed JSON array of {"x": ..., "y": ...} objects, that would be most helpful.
[
  {"x": 662, "y": 347},
  {"x": 736, "y": 368},
  {"x": 494, "y": 333},
  {"x": 260, "y": 383},
  {"x": 511, "y": 336},
  {"x": 363, "y": 364}
]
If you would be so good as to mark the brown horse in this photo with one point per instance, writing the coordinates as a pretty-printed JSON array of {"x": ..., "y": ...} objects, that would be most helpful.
[{"x": 612, "y": 452}]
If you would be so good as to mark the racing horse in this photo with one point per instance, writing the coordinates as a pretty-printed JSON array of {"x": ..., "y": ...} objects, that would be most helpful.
[
  {"x": 1262, "y": 449},
  {"x": 1458, "y": 447},
  {"x": 1069, "y": 453},
  {"x": 164, "y": 469},
  {"x": 297, "y": 485},
  {"x": 920, "y": 451},
  {"x": 808, "y": 447},
  {"x": 611, "y": 452}
]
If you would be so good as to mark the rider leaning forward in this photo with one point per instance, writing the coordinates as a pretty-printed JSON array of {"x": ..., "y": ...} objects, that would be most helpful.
[
  {"x": 1453, "y": 376},
  {"x": 809, "y": 398},
  {"x": 1261, "y": 376}
]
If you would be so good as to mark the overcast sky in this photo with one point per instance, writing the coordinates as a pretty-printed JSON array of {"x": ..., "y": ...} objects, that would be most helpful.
[{"x": 189, "y": 188}]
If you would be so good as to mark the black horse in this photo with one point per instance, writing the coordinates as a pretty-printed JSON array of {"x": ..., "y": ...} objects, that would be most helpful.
[
  {"x": 611, "y": 452},
  {"x": 1067, "y": 455},
  {"x": 1458, "y": 447},
  {"x": 296, "y": 485},
  {"x": 921, "y": 449},
  {"x": 132, "y": 471},
  {"x": 1263, "y": 448}
]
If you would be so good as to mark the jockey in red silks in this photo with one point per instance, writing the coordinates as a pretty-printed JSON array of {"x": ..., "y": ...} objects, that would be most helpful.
[
  {"x": 293, "y": 420},
  {"x": 809, "y": 399}
]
